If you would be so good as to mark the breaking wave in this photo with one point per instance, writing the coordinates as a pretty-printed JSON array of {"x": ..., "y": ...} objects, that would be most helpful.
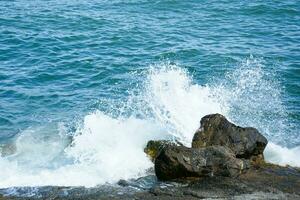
[{"x": 167, "y": 104}]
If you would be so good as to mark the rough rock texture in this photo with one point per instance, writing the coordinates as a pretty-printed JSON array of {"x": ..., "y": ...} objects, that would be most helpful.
[
  {"x": 154, "y": 147},
  {"x": 217, "y": 130},
  {"x": 216, "y": 149},
  {"x": 266, "y": 182},
  {"x": 175, "y": 162}
]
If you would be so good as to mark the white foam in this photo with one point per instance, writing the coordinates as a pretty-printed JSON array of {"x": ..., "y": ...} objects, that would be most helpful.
[
  {"x": 169, "y": 105},
  {"x": 176, "y": 102},
  {"x": 104, "y": 151},
  {"x": 282, "y": 155}
]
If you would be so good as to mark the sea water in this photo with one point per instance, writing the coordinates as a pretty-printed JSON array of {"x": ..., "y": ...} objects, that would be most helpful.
[{"x": 85, "y": 84}]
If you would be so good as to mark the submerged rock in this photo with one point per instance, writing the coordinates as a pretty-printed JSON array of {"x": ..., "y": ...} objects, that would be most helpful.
[
  {"x": 175, "y": 162},
  {"x": 217, "y": 130}
]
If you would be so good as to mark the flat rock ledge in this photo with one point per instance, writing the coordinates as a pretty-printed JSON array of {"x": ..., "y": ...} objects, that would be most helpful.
[{"x": 267, "y": 181}]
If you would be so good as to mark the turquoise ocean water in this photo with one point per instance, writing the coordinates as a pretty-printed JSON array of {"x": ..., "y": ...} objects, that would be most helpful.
[{"x": 80, "y": 81}]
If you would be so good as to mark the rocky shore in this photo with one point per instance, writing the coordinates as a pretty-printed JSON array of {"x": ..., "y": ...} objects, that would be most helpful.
[{"x": 225, "y": 161}]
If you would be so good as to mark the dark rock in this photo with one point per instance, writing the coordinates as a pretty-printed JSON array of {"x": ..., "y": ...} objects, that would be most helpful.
[
  {"x": 217, "y": 130},
  {"x": 123, "y": 183},
  {"x": 267, "y": 182},
  {"x": 175, "y": 162},
  {"x": 154, "y": 147}
]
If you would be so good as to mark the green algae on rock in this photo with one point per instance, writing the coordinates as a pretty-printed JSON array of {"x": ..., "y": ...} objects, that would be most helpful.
[{"x": 154, "y": 147}]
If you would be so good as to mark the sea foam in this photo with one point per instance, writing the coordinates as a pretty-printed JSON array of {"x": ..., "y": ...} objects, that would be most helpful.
[{"x": 167, "y": 104}]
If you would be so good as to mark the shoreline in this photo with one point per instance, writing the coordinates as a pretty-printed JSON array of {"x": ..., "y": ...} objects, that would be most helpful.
[
  {"x": 225, "y": 161},
  {"x": 267, "y": 181}
]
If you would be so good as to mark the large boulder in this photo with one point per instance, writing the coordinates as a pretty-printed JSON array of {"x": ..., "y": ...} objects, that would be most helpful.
[
  {"x": 217, "y": 130},
  {"x": 175, "y": 162}
]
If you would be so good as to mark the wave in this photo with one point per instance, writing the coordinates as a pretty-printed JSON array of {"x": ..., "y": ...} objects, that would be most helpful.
[{"x": 167, "y": 104}]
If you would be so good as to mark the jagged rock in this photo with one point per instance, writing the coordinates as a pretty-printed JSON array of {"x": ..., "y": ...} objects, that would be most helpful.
[
  {"x": 217, "y": 130},
  {"x": 175, "y": 162},
  {"x": 154, "y": 147}
]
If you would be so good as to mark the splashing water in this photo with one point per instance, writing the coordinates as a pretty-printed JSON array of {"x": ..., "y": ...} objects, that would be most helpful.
[
  {"x": 253, "y": 98},
  {"x": 177, "y": 103},
  {"x": 167, "y": 106}
]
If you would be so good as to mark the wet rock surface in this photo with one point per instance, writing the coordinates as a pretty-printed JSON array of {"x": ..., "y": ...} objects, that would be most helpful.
[
  {"x": 175, "y": 162},
  {"x": 217, "y": 130},
  {"x": 154, "y": 147},
  {"x": 219, "y": 148},
  {"x": 266, "y": 182}
]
